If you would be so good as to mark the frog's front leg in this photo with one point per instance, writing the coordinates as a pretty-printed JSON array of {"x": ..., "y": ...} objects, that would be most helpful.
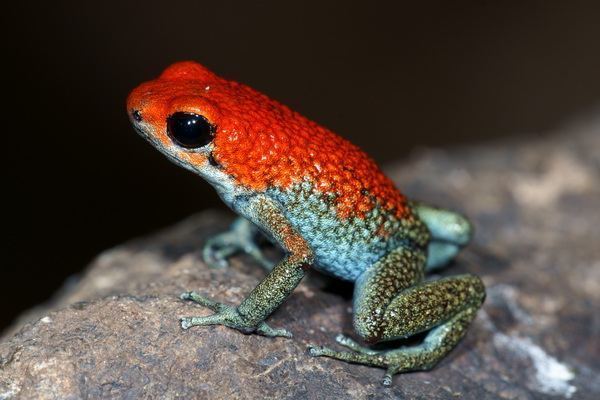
[
  {"x": 240, "y": 238},
  {"x": 392, "y": 302},
  {"x": 250, "y": 315}
]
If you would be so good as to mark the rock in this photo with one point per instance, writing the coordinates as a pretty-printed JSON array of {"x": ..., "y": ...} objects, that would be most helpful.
[{"x": 114, "y": 333}]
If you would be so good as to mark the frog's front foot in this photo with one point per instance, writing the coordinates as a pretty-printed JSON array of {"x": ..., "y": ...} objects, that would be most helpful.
[
  {"x": 228, "y": 316},
  {"x": 240, "y": 238}
]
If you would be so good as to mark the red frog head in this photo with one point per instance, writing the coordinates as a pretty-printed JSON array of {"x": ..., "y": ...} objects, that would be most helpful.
[{"x": 241, "y": 141}]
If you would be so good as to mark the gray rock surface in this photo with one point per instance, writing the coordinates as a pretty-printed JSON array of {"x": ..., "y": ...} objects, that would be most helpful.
[{"x": 114, "y": 333}]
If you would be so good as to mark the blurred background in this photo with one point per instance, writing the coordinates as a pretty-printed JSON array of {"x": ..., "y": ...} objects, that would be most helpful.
[{"x": 390, "y": 77}]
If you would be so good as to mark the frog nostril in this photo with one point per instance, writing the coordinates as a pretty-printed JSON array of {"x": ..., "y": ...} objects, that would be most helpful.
[{"x": 137, "y": 116}]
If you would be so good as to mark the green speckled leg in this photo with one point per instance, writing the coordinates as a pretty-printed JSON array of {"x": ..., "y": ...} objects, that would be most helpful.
[
  {"x": 436, "y": 345},
  {"x": 269, "y": 294},
  {"x": 450, "y": 232},
  {"x": 240, "y": 238},
  {"x": 391, "y": 302}
]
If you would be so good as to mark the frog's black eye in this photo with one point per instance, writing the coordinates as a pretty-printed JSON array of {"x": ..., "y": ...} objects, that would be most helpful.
[{"x": 189, "y": 130}]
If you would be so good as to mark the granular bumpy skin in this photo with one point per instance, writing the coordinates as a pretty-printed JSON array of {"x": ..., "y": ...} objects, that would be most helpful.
[
  {"x": 325, "y": 203},
  {"x": 359, "y": 240},
  {"x": 263, "y": 144}
]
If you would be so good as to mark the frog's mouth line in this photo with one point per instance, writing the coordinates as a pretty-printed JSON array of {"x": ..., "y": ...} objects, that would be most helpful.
[{"x": 154, "y": 142}]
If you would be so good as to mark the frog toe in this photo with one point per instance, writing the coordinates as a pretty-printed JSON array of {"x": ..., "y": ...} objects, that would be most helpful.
[
  {"x": 387, "y": 379},
  {"x": 378, "y": 360},
  {"x": 203, "y": 301},
  {"x": 353, "y": 345},
  {"x": 317, "y": 351},
  {"x": 266, "y": 330},
  {"x": 220, "y": 248},
  {"x": 215, "y": 253}
]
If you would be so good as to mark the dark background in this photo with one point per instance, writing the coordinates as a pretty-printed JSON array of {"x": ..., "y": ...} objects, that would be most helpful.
[{"x": 389, "y": 77}]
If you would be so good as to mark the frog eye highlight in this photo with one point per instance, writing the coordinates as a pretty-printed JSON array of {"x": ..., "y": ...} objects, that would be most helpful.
[{"x": 190, "y": 130}]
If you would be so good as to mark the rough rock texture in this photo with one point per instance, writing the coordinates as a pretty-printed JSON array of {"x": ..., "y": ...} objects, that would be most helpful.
[{"x": 115, "y": 333}]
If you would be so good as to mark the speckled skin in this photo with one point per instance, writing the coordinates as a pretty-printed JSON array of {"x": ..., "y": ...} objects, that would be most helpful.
[
  {"x": 327, "y": 204},
  {"x": 346, "y": 247}
]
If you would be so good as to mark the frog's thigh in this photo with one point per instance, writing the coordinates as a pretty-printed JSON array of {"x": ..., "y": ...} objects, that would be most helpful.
[
  {"x": 439, "y": 254},
  {"x": 450, "y": 232},
  {"x": 431, "y": 304},
  {"x": 391, "y": 301},
  {"x": 377, "y": 287}
]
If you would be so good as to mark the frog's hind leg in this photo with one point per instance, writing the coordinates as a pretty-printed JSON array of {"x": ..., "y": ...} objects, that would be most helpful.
[
  {"x": 240, "y": 238},
  {"x": 450, "y": 232},
  {"x": 392, "y": 302}
]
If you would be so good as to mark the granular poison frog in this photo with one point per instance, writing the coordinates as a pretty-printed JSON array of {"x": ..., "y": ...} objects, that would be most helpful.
[{"x": 326, "y": 204}]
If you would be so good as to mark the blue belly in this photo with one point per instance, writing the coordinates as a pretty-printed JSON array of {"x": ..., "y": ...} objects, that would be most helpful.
[{"x": 345, "y": 247}]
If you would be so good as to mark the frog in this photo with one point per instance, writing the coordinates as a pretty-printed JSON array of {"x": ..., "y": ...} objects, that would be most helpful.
[{"x": 327, "y": 205}]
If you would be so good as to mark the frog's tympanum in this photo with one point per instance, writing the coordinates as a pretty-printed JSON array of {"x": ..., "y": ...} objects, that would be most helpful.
[{"x": 328, "y": 206}]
